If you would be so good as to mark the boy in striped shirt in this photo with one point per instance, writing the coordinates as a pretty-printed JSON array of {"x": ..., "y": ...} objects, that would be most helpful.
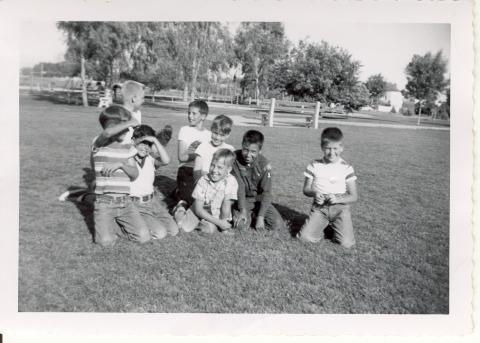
[
  {"x": 114, "y": 166},
  {"x": 332, "y": 183}
]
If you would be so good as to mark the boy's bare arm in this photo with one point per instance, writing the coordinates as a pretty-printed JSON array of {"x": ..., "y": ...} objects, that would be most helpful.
[
  {"x": 226, "y": 209},
  {"x": 128, "y": 166},
  {"x": 350, "y": 196},
  {"x": 310, "y": 191},
  {"x": 161, "y": 155},
  {"x": 186, "y": 152},
  {"x": 111, "y": 131},
  {"x": 201, "y": 213}
]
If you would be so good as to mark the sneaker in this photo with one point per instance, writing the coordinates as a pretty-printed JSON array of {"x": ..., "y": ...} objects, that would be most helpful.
[
  {"x": 64, "y": 196},
  {"x": 179, "y": 211}
]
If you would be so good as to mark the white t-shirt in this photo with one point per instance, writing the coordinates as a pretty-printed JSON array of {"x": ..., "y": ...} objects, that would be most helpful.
[
  {"x": 143, "y": 184},
  {"x": 330, "y": 178},
  {"x": 189, "y": 135},
  {"x": 206, "y": 151},
  {"x": 137, "y": 115}
]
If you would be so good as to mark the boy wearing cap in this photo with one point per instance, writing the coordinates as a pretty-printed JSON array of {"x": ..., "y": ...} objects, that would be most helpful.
[{"x": 114, "y": 166}]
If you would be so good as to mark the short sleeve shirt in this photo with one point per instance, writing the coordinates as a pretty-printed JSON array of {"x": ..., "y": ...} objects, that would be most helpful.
[
  {"x": 119, "y": 181},
  {"x": 213, "y": 193},
  {"x": 330, "y": 178},
  {"x": 206, "y": 151},
  {"x": 189, "y": 135}
]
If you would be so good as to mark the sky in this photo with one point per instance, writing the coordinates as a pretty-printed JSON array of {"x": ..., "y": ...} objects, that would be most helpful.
[{"x": 381, "y": 48}]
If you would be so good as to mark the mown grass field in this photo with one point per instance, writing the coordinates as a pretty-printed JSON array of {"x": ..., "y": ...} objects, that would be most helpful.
[{"x": 399, "y": 265}]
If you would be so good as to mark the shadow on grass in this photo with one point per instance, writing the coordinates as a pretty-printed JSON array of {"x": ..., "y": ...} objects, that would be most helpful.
[
  {"x": 297, "y": 219},
  {"x": 85, "y": 205},
  {"x": 294, "y": 218},
  {"x": 166, "y": 186}
]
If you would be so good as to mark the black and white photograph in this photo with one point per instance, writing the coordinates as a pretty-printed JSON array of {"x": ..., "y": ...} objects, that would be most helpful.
[{"x": 209, "y": 166}]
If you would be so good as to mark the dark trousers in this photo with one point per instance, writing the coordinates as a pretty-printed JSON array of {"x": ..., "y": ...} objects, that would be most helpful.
[
  {"x": 273, "y": 219},
  {"x": 185, "y": 184}
]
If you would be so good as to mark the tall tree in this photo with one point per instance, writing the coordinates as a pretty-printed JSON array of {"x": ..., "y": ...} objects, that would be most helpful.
[
  {"x": 324, "y": 73},
  {"x": 377, "y": 86},
  {"x": 426, "y": 78},
  {"x": 97, "y": 45},
  {"x": 198, "y": 47},
  {"x": 257, "y": 47},
  {"x": 80, "y": 45}
]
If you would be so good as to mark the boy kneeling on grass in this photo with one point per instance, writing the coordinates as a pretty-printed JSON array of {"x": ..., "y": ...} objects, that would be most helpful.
[
  {"x": 156, "y": 217},
  {"x": 252, "y": 171},
  {"x": 114, "y": 166},
  {"x": 213, "y": 196},
  {"x": 332, "y": 183}
]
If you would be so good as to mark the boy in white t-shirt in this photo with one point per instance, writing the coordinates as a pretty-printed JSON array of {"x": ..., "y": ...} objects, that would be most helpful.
[
  {"x": 220, "y": 128},
  {"x": 189, "y": 138},
  {"x": 133, "y": 94},
  {"x": 156, "y": 217},
  {"x": 332, "y": 183}
]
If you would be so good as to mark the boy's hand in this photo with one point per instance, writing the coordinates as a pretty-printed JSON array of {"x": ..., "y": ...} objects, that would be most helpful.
[
  {"x": 241, "y": 219},
  {"x": 150, "y": 139},
  {"x": 320, "y": 199},
  {"x": 224, "y": 225},
  {"x": 333, "y": 199},
  {"x": 110, "y": 169},
  {"x": 192, "y": 147},
  {"x": 260, "y": 223},
  {"x": 165, "y": 135}
]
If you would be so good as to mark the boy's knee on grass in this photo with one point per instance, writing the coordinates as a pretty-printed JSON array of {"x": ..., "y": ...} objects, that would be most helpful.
[
  {"x": 158, "y": 232},
  {"x": 143, "y": 236},
  {"x": 106, "y": 242}
]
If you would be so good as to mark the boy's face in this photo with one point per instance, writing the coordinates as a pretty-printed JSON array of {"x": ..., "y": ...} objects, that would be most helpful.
[
  {"x": 332, "y": 151},
  {"x": 138, "y": 99},
  {"x": 218, "y": 138},
  {"x": 194, "y": 116},
  {"x": 250, "y": 152},
  {"x": 218, "y": 170},
  {"x": 143, "y": 147}
]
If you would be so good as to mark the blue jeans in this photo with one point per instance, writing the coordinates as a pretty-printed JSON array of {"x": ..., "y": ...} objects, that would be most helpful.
[
  {"x": 118, "y": 218},
  {"x": 337, "y": 216},
  {"x": 159, "y": 222}
]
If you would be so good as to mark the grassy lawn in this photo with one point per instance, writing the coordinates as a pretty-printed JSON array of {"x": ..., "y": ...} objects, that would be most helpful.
[{"x": 399, "y": 265}]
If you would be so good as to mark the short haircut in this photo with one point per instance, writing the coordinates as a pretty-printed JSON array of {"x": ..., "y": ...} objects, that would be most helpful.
[
  {"x": 222, "y": 124},
  {"x": 131, "y": 88},
  {"x": 253, "y": 137},
  {"x": 113, "y": 115},
  {"x": 331, "y": 134},
  {"x": 226, "y": 154},
  {"x": 201, "y": 105},
  {"x": 143, "y": 131}
]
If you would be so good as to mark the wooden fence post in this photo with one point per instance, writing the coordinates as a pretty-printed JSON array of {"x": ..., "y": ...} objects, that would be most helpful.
[
  {"x": 315, "y": 116},
  {"x": 271, "y": 112}
]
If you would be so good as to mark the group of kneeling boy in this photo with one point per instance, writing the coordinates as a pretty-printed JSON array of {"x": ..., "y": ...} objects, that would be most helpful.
[{"x": 219, "y": 189}]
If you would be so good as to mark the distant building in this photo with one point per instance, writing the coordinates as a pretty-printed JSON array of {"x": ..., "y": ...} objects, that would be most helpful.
[{"x": 392, "y": 98}]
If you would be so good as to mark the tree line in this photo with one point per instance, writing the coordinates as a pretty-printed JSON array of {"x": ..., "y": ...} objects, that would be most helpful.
[{"x": 258, "y": 57}]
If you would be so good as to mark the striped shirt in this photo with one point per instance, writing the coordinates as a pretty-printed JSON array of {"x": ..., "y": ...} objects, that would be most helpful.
[
  {"x": 118, "y": 182},
  {"x": 330, "y": 178}
]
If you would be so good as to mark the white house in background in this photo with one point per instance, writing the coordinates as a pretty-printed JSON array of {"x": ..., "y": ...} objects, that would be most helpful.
[{"x": 393, "y": 97}]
